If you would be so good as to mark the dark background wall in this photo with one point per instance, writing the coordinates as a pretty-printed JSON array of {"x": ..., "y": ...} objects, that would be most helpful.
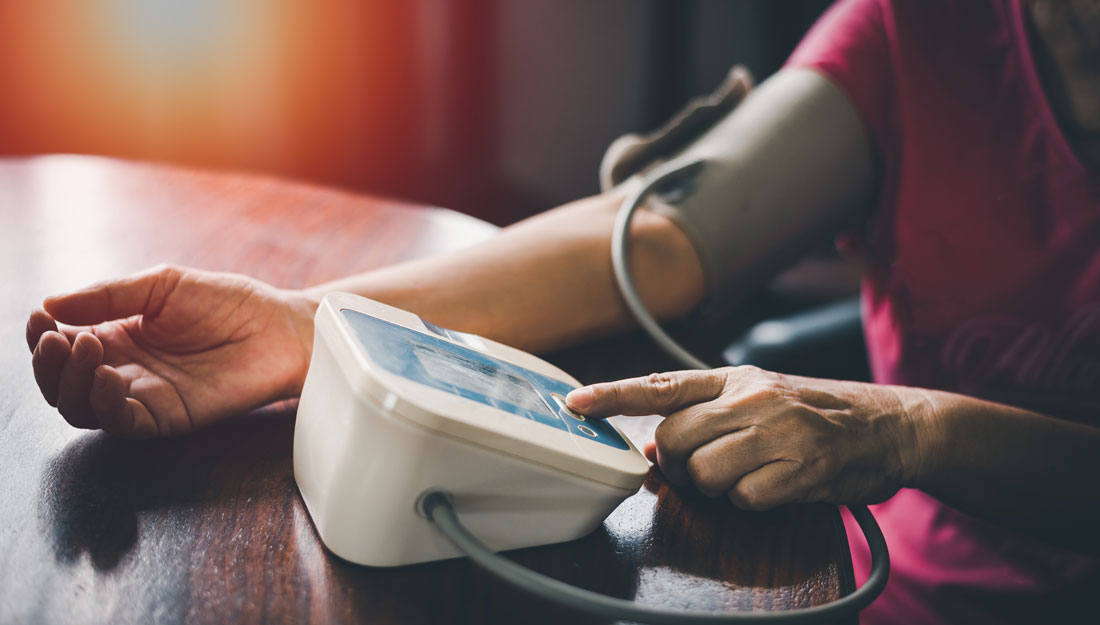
[{"x": 499, "y": 108}]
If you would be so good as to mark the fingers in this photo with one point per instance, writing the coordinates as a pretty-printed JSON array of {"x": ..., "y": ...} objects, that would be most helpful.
[
  {"x": 771, "y": 485},
  {"x": 51, "y": 349},
  {"x": 75, "y": 381},
  {"x": 741, "y": 465},
  {"x": 144, "y": 425},
  {"x": 710, "y": 436},
  {"x": 39, "y": 323},
  {"x": 116, "y": 413},
  {"x": 659, "y": 393},
  {"x": 759, "y": 437},
  {"x": 717, "y": 465},
  {"x": 142, "y": 293},
  {"x": 67, "y": 362},
  {"x": 682, "y": 433},
  {"x": 50, "y": 355},
  {"x": 108, "y": 401}
]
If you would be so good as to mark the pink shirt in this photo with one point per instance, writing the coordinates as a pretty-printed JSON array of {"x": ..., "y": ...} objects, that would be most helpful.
[{"x": 984, "y": 256}]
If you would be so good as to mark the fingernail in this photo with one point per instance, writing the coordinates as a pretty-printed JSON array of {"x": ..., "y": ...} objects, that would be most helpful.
[{"x": 580, "y": 398}]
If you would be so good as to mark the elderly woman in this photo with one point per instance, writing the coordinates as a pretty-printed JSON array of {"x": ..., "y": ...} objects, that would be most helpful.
[{"x": 971, "y": 133}]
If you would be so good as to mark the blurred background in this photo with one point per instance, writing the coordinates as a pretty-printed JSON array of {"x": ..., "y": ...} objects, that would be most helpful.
[{"x": 497, "y": 108}]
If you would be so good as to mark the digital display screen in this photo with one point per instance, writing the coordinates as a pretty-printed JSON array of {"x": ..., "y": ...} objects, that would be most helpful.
[
  {"x": 463, "y": 372},
  {"x": 469, "y": 373}
]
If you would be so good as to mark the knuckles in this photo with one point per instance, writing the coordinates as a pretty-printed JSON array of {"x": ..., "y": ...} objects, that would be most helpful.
[
  {"x": 796, "y": 425},
  {"x": 663, "y": 389},
  {"x": 775, "y": 414},
  {"x": 706, "y": 477},
  {"x": 748, "y": 497},
  {"x": 665, "y": 438},
  {"x": 750, "y": 374},
  {"x": 748, "y": 385}
]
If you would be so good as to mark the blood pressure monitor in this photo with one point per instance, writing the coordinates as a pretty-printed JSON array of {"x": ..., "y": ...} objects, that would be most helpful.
[{"x": 394, "y": 406}]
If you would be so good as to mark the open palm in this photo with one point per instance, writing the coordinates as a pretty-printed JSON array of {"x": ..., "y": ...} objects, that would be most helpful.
[{"x": 169, "y": 350}]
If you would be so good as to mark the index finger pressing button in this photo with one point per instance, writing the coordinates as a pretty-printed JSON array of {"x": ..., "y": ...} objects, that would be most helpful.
[{"x": 560, "y": 401}]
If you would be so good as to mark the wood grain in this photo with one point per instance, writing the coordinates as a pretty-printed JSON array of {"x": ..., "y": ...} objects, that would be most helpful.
[{"x": 209, "y": 528}]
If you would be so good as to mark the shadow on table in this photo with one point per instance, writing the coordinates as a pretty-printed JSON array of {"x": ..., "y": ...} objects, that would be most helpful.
[
  {"x": 456, "y": 591},
  {"x": 100, "y": 492},
  {"x": 692, "y": 551},
  {"x": 94, "y": 490}
]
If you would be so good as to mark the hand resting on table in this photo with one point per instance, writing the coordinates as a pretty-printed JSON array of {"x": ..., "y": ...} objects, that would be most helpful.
[{"x": 168, "y": 350}]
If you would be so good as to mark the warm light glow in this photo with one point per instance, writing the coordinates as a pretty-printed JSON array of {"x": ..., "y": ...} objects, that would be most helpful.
[
  {"x": 294, "y": 87},
  {"x": 76, "y": 197},
  {"x": 169, "y": 33}
]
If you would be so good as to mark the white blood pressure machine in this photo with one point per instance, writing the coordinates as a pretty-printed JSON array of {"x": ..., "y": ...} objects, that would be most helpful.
[
  {"x": 416, "y": 443},
  {"x": 394, "y": 407}
]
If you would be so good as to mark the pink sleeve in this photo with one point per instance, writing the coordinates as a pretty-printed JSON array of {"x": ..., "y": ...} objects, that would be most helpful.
[{"x": 849, "y": 45}]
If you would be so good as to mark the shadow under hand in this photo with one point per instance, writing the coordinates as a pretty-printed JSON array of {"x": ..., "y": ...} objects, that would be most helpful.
[
  {"x": 97, "y": 490},
  {"x": 799, "y": 549}
]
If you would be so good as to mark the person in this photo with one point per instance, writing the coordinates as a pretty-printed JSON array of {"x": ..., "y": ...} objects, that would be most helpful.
[{"x": 977, "y": 142}]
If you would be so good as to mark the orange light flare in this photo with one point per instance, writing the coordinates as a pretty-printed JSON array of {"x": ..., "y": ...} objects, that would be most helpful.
[{"x": 266, "y": 85}]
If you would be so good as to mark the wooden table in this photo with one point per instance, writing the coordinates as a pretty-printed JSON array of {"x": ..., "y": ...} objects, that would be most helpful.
[{"x": 209, "y": 528}]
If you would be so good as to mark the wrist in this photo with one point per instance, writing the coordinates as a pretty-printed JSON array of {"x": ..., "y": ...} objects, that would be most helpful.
[
  {"x": 301, "y": 305},
  {"x": 924, "y": 417}
]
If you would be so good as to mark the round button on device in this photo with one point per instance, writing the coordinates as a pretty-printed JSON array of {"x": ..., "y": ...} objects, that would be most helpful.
[
  {"x": 587, "y": 430},
  {"x": 564, "y": 408}
]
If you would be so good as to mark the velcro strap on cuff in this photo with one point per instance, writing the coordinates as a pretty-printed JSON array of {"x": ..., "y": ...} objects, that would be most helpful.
[{"x": 633, "y": 154}]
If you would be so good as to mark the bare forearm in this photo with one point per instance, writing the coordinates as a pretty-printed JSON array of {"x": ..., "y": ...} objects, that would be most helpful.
[
  {"x": 543, "y": 283},
  {"x": 1017, "y": 468}
]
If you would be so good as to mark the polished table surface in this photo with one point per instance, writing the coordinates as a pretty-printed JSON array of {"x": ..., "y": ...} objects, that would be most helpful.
[{"x": 209, "y": 528}]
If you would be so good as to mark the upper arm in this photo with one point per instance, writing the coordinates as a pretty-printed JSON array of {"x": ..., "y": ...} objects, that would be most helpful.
[
  {"x": 798, "y": 160},
  {"x": 790, "y": 167}
]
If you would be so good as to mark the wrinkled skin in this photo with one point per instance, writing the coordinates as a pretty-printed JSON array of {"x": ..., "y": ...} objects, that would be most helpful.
[
  {"x": 168, "y": 350},
  {"x": 764, "y": 439}
]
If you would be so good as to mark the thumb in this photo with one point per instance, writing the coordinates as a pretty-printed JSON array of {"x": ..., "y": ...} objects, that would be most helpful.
[
  {"x": 659, "y": 393},
  {"x": 141, "y": 293}
]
